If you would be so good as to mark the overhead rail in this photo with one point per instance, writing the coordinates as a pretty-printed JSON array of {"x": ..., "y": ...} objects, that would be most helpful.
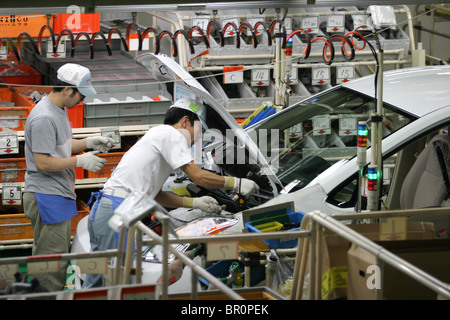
[{"x": 348, "y": 46}]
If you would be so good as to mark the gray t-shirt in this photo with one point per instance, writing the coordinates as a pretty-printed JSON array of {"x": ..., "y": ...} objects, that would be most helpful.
[{"x": 48, "y": 131}]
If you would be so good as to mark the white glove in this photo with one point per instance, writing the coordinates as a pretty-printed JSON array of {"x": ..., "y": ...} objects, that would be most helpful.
[
  {"x": 206, "y": 204},
  {"x": 99, "y": 143},
  {"x": 90, "y": 161},
  {"x": 243, "y": 186}
]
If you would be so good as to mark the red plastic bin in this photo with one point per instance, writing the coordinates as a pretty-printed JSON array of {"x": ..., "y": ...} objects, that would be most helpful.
[
  {"x": 20, "y": 75},
  {"x": 112, "y": 160},
  {"x": 75, "y": 114},
  {"x": 77, "y": 22}
]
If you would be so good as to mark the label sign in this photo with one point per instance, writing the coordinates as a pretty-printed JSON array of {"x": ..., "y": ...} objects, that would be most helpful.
[
  {"x": 93, "y": 265},
  {"x": 310, "y": 24},
  {"x": 60, "y": 49},
  {"x": 345, "y": 72},
  {"x": 4, "y": 50},
  {"x": 260, "y": 77},
  {"x": 222, "y": 251},
  {"x": 201, "y": 22},
  {"x": 321, "y": 125},
  {"x": 348, "y": 125},
  {"x": 361, "y": 21},
  {"x": 393, "y": 228},
  {"x": 296, "y": 131},
  {"x": 335, "y": 23},
  {"x": 230, "y": 32},
  {"x": 112, "y": 133},
  {"x": 9, "y": 144},
  {"x": 12, "y": 194},
  {"x": 320, "y": 75},
  {"x": 233, "y": 74},
  {"x": 7, "y": 272},
  {"x": 43, "y": 267}
]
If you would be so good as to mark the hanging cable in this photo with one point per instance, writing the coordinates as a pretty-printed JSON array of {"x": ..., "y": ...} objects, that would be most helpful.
[
  {"x": 186, "y": 36},
  {"x": 72, "y": 40}
]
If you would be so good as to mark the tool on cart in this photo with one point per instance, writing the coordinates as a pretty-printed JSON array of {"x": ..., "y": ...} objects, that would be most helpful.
[{"x": 234, "y": 278}]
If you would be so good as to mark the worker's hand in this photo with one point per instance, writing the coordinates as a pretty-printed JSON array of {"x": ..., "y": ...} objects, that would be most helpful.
[
  {"x": 90, "y": 161},
  {"x": 206, "y": 204},
  {"x": 243, "y": 186},
  {"x": 99, "y": 143}
]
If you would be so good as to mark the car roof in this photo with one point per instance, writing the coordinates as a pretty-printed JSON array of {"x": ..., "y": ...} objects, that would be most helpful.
[{"x": 417, "y": 90}]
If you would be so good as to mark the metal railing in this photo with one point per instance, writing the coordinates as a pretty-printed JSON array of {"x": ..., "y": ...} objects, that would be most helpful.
[
  {"x": 310, "y": 249},
  {"x": 308, "y": 253}
]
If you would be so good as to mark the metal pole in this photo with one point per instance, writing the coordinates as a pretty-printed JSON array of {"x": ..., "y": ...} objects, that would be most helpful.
[
  {"x": 188, "y": 262},
  {"x": 138, "y": 256},
  {"x": 165, "y": 257},
  {"x": 120, "y": 256},
  {"x": 382, "y": 253},
  {"x": 129, "y": 255}
]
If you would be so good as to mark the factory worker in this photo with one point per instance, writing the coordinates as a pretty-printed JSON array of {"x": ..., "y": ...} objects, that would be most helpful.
[
  {"x": 148, "y": 164},
  {"x": 51, "y": 154}
]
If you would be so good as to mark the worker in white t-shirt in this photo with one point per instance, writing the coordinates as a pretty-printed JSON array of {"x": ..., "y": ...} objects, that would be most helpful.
[{"x": 148, "y": 164}]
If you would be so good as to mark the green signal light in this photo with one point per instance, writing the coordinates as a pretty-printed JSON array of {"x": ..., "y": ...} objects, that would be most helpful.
[{"x": 362, "y": 130}]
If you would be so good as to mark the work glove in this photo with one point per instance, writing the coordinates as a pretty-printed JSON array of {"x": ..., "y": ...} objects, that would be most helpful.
[
  {"x": 99, "y": 143},
  {"x": 206, "y": 204},
  {"x": 242, "y": 186},
  {"x": 90, "y": 161}
]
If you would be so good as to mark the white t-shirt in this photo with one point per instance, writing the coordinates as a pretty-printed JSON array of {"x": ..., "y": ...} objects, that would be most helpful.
[{"x": 149, "y": 162}]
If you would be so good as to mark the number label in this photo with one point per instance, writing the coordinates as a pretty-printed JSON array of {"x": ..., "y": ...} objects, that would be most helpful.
[{"x": 222, "y": 250}]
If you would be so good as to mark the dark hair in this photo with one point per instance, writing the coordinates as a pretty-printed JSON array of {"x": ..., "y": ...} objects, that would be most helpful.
[
  {"x": 60, "y": 85},
  {"x": 173, "y": 115}
]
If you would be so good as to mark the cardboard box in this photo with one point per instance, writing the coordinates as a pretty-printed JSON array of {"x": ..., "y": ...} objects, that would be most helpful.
[
  {"x": 334, "y": 280},
  {"x": 388, "y": 283}
]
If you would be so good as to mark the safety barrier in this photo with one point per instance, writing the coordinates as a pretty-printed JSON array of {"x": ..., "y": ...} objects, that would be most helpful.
[{"x": 309, "y": 247}]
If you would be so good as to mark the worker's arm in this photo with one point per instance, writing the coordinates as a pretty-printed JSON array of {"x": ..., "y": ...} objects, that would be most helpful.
[
  {"x": 202, "y": 177},
  {"x": 207, "y": 179},
  {"x": 88, "y": 161},
  {"x": 169, "y": 200},
  {"x": 78, "y": 145},
  {"x": 205, "y": 203},
  {"x": 45, "y": 162}
]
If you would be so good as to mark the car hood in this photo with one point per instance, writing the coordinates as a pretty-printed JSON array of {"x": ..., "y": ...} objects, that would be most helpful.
[
  {"x": 402, "y": 89},
  {"x": 165, "y": 69}
]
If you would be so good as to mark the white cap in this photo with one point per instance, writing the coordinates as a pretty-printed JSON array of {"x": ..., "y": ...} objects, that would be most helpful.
[
  {"x": 198, "y": 109},
  {"x": 78, "y": 76}
]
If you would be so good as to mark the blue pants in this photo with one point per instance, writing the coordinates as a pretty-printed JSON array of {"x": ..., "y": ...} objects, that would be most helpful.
[{"x": 102, "y": 237}]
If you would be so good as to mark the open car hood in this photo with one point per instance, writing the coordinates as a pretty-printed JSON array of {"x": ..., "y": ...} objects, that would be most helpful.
[{"x": 168, "y": 71}]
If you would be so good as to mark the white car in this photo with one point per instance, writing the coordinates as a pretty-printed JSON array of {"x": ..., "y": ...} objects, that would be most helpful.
[
  {"x": 309, "y": 156},
  {"x": 319, "y": 168}
]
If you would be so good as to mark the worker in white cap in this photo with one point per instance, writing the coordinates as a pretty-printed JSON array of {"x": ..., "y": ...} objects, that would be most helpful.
[
  {"x": 51, "y": 155},
  {"x": 148, "y": 164}
]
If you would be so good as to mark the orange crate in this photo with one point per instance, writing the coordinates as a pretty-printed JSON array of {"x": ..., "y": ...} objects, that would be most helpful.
[
  {"x": 17, "y": 227},
  {"x": 75, "y": 114},
  {"x": 20, "y": 75},
  {"x": 112, "y": 160},
  {"x": 77, "y": 22},
  {"x": 12, "y": 170},
  {"x": 13, "y": 25},
  {"x": 15, "y": 116}
]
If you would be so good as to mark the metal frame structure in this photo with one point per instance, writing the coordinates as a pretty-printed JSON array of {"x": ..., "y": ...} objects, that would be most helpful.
[{"x": 308, "y": 251}]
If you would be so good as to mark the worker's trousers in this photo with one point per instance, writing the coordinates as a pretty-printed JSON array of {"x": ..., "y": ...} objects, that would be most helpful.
[
  {"x": 102, "y": 237},
  {"x": 48, "y": 239}
]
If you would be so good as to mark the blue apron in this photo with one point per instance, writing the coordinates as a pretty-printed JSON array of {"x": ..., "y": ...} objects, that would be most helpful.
[{"x": 55, "y": 209}]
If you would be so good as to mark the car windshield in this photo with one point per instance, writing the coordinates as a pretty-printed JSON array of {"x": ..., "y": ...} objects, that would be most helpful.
[{"x": 308, "y": 137}]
